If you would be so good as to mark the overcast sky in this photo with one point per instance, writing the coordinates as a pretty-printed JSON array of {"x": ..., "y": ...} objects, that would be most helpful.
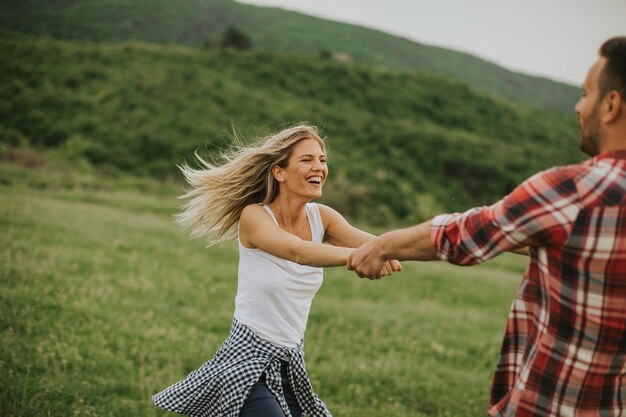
[{"x": 557, "y": 39}]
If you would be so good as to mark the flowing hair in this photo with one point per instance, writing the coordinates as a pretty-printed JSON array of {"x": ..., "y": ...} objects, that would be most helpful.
[{"x": 240, "y": 176}]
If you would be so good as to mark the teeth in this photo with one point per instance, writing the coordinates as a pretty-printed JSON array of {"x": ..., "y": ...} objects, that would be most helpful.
[{"x": 316, "y": 180}]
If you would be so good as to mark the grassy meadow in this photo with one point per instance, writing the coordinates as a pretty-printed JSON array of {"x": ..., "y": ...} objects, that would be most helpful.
[{"x": 104, "y": 301}]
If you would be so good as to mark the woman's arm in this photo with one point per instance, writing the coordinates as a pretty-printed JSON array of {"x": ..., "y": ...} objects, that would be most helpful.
[
  {"x": 339, "y": 232},
  {"x": 258, "y": 230}
]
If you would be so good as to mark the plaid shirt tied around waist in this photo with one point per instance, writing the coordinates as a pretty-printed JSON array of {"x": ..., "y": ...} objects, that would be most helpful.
[
  {"x": 221, "y": 386},
  {"x": 564, "y": 349}
]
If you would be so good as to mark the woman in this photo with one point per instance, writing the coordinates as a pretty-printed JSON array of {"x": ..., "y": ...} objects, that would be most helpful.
[{"x": 263, "y": 194}]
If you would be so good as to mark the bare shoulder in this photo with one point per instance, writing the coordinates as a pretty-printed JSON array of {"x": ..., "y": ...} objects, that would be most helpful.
[
  {"x": 252, "y": 213},
  {"x": 251, "y": 209},
  {"x": 252, "y": 220},
  {"x": 327, "y": 212},
  {"x": 339, "y": 231},
  {"x": 331, "y": 218}
]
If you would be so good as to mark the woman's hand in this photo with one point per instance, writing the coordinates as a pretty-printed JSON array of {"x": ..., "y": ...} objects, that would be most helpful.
[
  {"x": 389, "y": 267},
  {"x": 396, "y": 266}
]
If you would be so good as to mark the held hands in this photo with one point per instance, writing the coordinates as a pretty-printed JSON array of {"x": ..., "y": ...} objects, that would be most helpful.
[
  {"x": 389, "y": 267},
  {"x": 367, "y": 261}
]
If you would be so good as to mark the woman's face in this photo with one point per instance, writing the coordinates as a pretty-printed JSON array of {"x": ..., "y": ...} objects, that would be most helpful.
[{"x": 306, "y": 171}]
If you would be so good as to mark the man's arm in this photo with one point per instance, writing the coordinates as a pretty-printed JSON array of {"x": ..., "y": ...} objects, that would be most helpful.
[
  {"x": 539, "y": 212},
  {"x": 525, "y": 251},
  {"x": 413, "y": 243}
]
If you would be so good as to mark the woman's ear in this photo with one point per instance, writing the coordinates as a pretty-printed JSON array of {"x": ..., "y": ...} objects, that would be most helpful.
[{"x": 277, "y": 172}]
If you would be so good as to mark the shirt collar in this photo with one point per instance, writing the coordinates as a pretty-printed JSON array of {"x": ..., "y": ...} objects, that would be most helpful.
[{"x": 617, "y": 154}]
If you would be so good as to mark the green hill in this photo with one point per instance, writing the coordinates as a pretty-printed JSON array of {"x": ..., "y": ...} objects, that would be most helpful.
[
  {"x": 198, "y": 22},
  {"x": 404, "y": 145}
]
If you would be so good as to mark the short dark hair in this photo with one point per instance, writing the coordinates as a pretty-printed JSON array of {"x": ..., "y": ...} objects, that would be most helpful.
[{"x": 613, "y": 77}]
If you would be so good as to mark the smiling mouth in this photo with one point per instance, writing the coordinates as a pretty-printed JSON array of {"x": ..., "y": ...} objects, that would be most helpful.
[{"x": 314, "y": 180}]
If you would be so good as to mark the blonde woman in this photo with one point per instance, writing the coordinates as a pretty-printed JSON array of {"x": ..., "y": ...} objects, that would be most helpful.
[{"x": 262, "y": 195}]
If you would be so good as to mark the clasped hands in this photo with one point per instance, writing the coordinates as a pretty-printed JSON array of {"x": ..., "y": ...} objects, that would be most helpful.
[{"x": 368, "y": 262}]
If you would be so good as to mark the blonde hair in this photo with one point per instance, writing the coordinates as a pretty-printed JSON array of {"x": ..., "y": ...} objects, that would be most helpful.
[{"x": 242, "y": 176}]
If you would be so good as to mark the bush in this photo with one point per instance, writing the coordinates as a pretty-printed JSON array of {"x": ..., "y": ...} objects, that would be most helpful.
[{"x": 235, "y": 38}]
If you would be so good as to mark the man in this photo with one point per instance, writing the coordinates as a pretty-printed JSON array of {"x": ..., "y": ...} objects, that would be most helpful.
[{"x": 564, "y": 350}]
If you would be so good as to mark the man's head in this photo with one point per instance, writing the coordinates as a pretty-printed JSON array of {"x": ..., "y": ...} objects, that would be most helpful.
[
  {"x": 613, "y": 78},
  {"x": 603, "y": 101}
]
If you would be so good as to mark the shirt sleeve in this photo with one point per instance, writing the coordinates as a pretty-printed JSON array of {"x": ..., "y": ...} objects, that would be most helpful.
[{"x": 539, "y": 212}]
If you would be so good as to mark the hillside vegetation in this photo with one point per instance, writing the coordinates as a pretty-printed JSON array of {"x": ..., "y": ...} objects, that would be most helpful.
[
  {"x": 201, "y": 22},
  {"x": 403, "y": 145}
]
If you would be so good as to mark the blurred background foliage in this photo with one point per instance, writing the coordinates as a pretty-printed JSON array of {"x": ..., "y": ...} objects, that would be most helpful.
[
  {"x": 203, "y": 22},
  {"x": 404, "y": 144}
]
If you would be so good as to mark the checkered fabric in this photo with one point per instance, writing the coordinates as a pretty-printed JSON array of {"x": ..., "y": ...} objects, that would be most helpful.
[
  {"x": 221, "y": 386},
  {"x": 564, "y": 351}
]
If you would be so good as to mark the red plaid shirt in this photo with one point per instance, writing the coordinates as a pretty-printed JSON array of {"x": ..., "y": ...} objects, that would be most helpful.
[{"x": 564, "y": 351}]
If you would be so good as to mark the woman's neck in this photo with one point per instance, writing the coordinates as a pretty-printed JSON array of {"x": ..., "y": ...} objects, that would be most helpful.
[{"x": 290, "y": 213}]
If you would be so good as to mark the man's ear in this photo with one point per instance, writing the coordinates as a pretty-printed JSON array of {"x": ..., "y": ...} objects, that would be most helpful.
[{"x": 613, "y": 107}]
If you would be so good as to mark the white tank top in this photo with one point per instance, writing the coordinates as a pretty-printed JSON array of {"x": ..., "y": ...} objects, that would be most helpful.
[{"x": 274, "y": 295}]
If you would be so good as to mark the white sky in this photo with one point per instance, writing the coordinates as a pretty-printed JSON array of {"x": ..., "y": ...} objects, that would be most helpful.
[{"x": 556, "y": 39}]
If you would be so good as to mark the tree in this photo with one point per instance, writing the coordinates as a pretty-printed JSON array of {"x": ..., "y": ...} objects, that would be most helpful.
[{"x": 235, "y": 38}]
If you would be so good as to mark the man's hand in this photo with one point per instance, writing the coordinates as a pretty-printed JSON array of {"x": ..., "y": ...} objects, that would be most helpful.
[
  {"x": 412, "y": 243},
  {"x": 368, "y": 262}
]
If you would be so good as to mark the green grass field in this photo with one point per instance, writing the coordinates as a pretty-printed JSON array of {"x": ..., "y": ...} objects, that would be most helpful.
[{"x": 104, "y": 301}]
